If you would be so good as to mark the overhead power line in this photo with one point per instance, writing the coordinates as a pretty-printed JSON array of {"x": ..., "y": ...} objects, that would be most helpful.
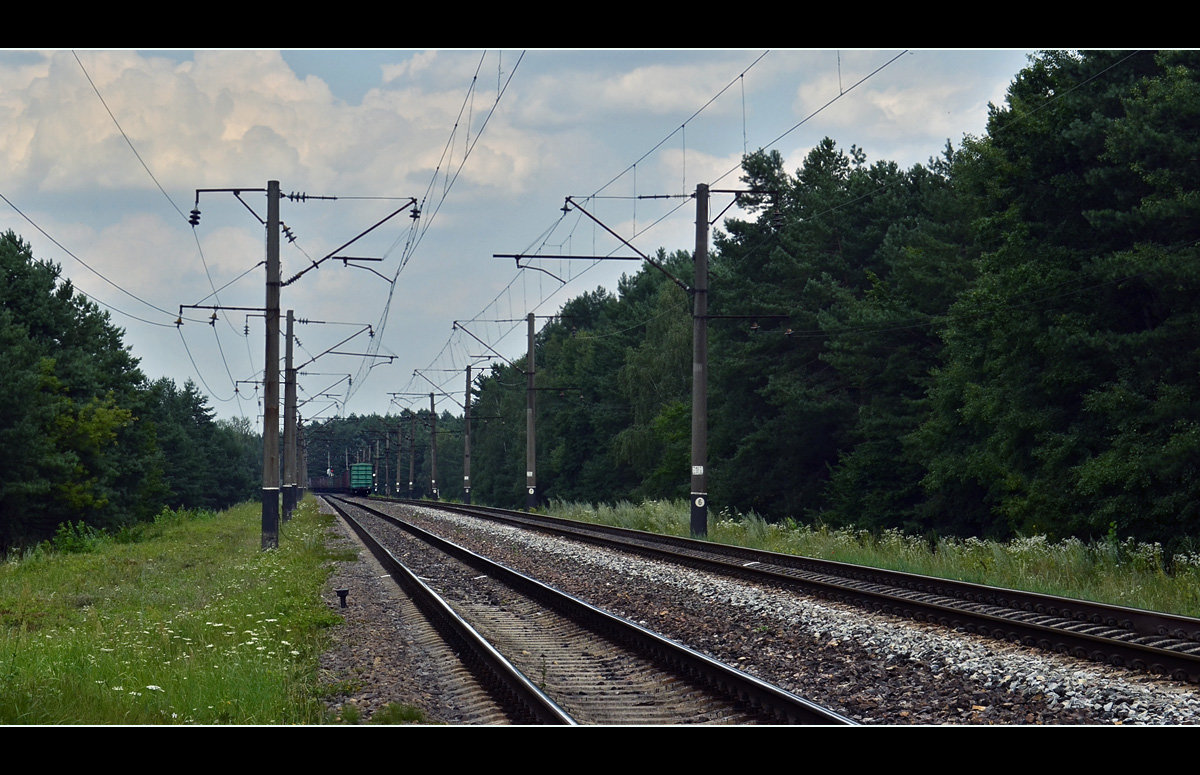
[{"x": 96, "y": 272}]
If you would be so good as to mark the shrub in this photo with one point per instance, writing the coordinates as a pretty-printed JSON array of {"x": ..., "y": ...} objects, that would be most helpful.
[{"x": 76, "y": 538}]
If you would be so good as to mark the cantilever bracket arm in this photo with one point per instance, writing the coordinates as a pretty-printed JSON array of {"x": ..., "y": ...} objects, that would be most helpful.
[
  {"x": 566, "y": 208},
  {"x": 538, "y": 268},
  {"x": 335, "y": 251},
  {"x": 441, "y": 390},
  {"x": 339, "y": 344},
  {"x": 459, "y": 327}
]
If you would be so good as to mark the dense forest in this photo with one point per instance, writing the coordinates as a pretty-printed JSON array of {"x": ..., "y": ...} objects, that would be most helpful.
[
  {"x": 85, "y": 436},
  {"x": 1002, "y": 341}
]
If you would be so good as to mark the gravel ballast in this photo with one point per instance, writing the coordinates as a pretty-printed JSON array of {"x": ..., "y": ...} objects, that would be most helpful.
[{"x": 873, "y": 668}]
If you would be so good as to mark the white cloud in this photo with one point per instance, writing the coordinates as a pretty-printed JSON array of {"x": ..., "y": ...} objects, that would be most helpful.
[{"x": 415, "y": 65}]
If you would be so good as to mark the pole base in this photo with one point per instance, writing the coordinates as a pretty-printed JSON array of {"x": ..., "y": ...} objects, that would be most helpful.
[
  {"x": 699, "y": 515},
  {"x": 270, "y": 518}
]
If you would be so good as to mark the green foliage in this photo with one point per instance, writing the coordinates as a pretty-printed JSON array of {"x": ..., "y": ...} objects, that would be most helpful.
[
  {"x": 202, "y": 463},
  {"x": 87, "y": 441},
  {"x": 398, "y": 713},
  {"x": 76, "y": 537},
  {"x": 66, "y": 427},
  {"x": 860, "y": 261},
  {"x": 1067, "y": 395}
]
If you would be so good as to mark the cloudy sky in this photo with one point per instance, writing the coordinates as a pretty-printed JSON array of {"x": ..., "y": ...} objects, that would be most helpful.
[{"x": 105, "y": 152}]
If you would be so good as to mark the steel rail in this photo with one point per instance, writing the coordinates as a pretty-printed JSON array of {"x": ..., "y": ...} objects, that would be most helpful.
[
  {"x": 512, "y": 688},
  {"x": 772, "y": 700}
]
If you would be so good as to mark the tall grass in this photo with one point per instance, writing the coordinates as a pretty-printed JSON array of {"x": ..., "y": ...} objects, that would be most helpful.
[
  {"x": 1121, "y": 572},
  {"x": 186, "y": 621}
]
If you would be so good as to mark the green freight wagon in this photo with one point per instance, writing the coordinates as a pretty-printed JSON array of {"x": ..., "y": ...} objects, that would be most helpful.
[{"x": 362, "y": 479}]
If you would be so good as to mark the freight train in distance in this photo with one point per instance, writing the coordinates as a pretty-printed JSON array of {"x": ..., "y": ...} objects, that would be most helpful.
[{"x": 358, "y": 479}]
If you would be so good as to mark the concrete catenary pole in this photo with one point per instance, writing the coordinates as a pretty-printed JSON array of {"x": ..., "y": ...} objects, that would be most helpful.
[
  {"x": 699, "y": 517},
  {"x": 467, "y": 440},
  {"x": 531, "y": 494},
  {"x": 270, "y": 481},
  {"x": 290, "y": 493},
  {"x": 412, "y": 452},
  {"x": 433, "y": 448},
  {"x": 302, "y": 458}
]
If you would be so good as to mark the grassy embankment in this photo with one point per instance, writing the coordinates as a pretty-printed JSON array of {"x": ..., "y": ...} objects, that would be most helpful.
[
  {"x": 185, "y": 620},
  {"x": 1122, "y": 572}
]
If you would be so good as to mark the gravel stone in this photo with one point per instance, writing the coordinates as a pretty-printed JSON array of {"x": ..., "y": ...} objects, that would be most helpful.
[{"x": 873, "y": 668}]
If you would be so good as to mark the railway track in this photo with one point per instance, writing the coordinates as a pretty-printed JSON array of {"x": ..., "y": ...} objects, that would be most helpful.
[
  {"x": 551, "y": 658},
  {"x": 1157, "y": 643}
]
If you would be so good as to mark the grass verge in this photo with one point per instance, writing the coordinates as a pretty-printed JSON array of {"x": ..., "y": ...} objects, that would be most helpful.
[{"x": 188, "y": 622}]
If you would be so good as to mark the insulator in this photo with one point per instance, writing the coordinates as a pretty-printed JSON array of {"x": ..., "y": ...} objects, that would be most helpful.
[{"x": 194, "y": 218}]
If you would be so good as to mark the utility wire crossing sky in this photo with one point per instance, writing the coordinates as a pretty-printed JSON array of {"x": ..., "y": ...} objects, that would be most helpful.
[{"x": 406, "y": 175}]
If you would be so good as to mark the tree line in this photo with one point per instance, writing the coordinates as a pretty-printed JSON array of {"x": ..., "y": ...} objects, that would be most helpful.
[{"x": 86, "y": 437}]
